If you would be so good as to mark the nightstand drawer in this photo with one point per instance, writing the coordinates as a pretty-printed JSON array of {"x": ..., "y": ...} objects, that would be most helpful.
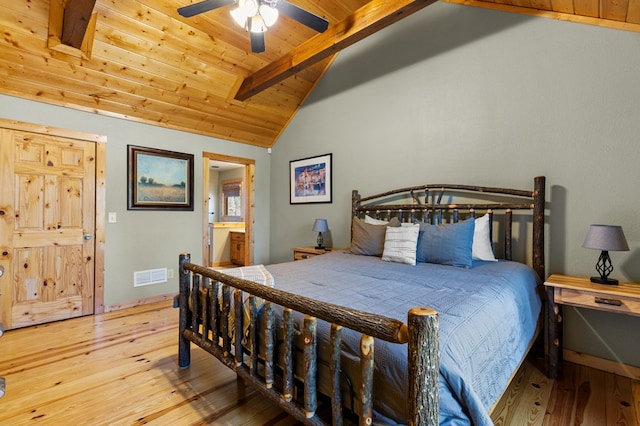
[
  {"x": 603, "y": 302},
  {"x": 297, "y": 255},
  {"x": 301, "y": 253}
]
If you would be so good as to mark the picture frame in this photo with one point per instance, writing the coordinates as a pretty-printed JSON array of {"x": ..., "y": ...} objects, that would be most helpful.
[
  {"x": 311, "y": 180},
  {"x": 159, "y": 179}
]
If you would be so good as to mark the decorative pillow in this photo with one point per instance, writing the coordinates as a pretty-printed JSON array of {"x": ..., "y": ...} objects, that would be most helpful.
[
  {"x": 447, "y": 244},
  {"x": 400, "y": 243},
  {"x": 367, "y": 239},
  {"x": 371, "y": 221},
  {"x": 482, "y": 249}
]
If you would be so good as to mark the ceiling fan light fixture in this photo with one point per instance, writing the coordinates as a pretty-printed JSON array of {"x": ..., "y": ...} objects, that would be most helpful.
[
  {"x": 256, "y": 24},
  {"x": 239, "y": 17},
  {"x": 269, "y": 14},
  {"x": 250, "y": 7},
  {"x": 255, "y": 16}
]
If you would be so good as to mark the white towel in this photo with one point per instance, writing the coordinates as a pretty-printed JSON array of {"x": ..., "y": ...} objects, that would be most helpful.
[{"x": 257, "y": 274}]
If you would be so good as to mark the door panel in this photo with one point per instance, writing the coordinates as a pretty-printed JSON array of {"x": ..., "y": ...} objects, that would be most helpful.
[{"x": 53, "y": 203}]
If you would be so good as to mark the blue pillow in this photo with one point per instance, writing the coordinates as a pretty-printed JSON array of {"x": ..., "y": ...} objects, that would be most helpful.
[{"x": 447, "y": 244}]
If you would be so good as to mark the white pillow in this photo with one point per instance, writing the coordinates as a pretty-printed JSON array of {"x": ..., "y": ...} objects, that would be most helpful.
[
  {"x": 400, "y": 244},
  {"x": 481, "y": 248},
  {"x": 371, "y": 221}
]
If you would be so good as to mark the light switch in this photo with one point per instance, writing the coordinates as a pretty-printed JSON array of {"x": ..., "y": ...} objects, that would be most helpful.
[{"x": 113, "y": 217}]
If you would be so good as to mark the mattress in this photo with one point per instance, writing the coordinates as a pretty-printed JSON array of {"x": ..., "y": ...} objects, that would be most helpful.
[{"x": 488, "y": 317}]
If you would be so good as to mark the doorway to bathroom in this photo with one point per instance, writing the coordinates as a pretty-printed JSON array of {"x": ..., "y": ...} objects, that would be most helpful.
[{"x": 229, "y": 194}]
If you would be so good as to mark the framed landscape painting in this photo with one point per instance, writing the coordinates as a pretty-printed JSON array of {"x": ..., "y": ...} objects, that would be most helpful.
[
  {"x": 310, "y": 180},
  {"x": 159, "y": 179}
]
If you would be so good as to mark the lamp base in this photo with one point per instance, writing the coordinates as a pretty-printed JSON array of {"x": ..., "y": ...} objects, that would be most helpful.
[
  {"x": 607, "y": 281},
  {"x": 319, "y": 242},
  {"x": 319, "y": 248}
]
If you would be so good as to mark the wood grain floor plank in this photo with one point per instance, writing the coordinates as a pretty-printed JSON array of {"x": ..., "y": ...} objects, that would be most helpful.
[
  {"x": 121, "y": 368},
  {"x": 635, "y": 391},
  {"x": 526, "y": 399},
  {"x": 591, "y": 402},
  {"x": 507, "y": 407},
  {"x": 560, "y": 408},
  {"x": 94, "y": 369},
  {"x": 620, "y": 409}
]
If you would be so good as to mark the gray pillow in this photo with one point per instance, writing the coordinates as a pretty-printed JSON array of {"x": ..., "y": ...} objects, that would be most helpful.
[{"x": 368, "y": 239}]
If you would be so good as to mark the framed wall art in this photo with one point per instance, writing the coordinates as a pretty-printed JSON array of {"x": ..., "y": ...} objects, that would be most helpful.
[
  {"x": 159, "y": 179},
  {"x": 310, "y": 180}
]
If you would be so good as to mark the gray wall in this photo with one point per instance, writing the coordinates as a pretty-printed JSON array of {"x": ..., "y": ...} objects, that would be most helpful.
[
  {"x": 142, "y": 240},
  {"x": 462, "y": 94}
]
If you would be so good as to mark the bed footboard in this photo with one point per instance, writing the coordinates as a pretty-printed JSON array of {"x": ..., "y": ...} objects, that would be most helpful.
[{"x": 211, "y": 316}]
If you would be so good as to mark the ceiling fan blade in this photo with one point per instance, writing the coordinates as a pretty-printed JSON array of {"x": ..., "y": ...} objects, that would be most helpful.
[
  {"x": 257, "y": 42},
  {"x": 203, "y": 6},
  {"x": 303, "y": 16}
]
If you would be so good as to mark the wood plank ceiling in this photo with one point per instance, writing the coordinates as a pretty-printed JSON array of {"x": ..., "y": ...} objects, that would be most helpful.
[{"x": 140, "y": 60}]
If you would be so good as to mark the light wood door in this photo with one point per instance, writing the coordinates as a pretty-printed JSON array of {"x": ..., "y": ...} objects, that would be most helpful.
[{"x": 47, "y": 227}]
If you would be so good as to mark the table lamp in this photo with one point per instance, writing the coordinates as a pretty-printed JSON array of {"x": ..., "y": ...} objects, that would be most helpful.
[
  {"x": 605, "y": 238},
  {"x": 320, "y": 226}
]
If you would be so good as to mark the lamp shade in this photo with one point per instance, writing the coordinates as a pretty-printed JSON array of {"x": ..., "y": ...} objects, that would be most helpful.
[
  {"x": 320, "y": 225},
  {"x": 606, "y": 237}
]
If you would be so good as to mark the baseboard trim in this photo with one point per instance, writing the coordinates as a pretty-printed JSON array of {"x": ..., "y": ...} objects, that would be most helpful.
[
  {"x": 139, "y": 302},
  {"x": 618, "y": 368}
]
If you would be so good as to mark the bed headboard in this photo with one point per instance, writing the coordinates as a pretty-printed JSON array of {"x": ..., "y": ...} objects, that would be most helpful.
[{"x": 446, "y": 203}]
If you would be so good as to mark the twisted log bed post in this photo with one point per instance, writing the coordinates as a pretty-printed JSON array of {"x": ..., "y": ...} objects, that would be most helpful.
[{"x": 200, "y": 318}]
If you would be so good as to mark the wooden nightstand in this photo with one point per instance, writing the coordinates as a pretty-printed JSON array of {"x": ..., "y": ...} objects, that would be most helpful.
[
  {"x": 581, "y": 292},
  {"x": 300, "y": 253}
]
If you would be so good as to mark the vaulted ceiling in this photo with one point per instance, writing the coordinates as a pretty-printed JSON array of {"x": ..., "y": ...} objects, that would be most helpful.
[{"x": 140, "y": 60}]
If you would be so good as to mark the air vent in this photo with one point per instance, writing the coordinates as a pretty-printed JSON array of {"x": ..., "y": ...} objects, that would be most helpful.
[{"x": 149, "y": 277}]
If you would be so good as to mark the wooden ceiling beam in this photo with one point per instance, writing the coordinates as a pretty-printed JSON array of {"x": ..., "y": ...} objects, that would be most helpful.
[
  {"x": 367, "y": 20},
  {"x": 77, "y": 14}
]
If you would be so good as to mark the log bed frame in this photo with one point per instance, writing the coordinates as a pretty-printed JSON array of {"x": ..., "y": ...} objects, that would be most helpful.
[{"x": 204, "y": 320}]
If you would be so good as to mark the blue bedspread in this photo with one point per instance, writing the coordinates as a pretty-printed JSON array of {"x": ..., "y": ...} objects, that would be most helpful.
[{"x": 488, "y": 317}]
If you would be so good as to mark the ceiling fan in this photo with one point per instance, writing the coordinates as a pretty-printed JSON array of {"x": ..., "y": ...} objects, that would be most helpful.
[{"x": 255, "y": 16}]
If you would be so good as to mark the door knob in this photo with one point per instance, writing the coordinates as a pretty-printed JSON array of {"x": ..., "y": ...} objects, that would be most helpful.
[{"x": 87, "y": 236}]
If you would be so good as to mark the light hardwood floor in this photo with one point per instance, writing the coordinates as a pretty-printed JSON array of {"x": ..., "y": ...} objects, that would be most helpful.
[{"x": 120, "y": 368}]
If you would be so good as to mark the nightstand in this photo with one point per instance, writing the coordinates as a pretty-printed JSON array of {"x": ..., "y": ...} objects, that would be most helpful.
[
  {"x": 300, "y": 253},
  {"x": 581, "y": 292}
]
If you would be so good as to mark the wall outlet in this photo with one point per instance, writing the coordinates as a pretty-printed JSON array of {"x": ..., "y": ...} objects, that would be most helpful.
[{"x": 169, "y": 273}]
